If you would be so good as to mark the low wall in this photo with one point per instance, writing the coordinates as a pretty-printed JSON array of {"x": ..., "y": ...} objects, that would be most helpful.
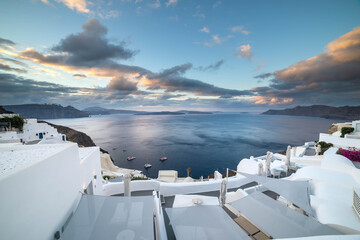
[
  {"x": 339, "y": 142},
  {"x": 91, "y": 170},
  {"x": 171, "y": 189}
]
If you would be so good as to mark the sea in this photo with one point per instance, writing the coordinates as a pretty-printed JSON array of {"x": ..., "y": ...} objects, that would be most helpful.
[{"x": 202, "y": 142}]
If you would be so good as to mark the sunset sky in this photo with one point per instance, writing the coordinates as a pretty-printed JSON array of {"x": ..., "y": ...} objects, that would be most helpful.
[{"x": 157, "y": 55}]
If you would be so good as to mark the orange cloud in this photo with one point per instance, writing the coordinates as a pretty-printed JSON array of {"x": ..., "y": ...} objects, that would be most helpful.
[
  {"x": 271, "y": 100},
  {"x": 340, "y": 62},
  {"x": 78, "y": 5},
  {"x": 346, "y": 48}
]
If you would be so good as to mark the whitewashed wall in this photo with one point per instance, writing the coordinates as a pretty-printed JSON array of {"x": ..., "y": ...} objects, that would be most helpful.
[
  {"x": 91, "y": 167},
  {"x": 31, "y": 129},
  {"x": 9, "y": 136},
  {"x": 39, "y": 197},
  {"x": 36, "y": 200},
  {"x": 339, "y": 142}
]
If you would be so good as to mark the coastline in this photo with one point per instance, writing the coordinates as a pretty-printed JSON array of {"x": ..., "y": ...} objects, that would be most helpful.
[{"x": 107, "y": 163}]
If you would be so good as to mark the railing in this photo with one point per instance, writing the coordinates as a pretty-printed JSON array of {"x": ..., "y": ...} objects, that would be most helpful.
[{"x": 356, "y": 201}]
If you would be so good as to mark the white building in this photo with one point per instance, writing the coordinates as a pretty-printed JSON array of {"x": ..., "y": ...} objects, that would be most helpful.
[
  {"x": 32, "y": 131},
  {"x": 41, "y": 186}
]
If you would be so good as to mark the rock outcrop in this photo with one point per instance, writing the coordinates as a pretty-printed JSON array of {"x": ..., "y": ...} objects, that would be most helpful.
[
  {"x": 3, "y": 110},
  {"x": 346, "y": 112},
  {"x": 46, "y": 111}
]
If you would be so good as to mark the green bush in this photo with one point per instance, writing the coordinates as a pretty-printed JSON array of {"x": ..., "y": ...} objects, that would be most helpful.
[
  {"x": 324, "y": 146},
  {"x": 106, "y": 177},
  {"x": 138, "y": 178},
  {"x": 346, "y": 130},
  {"x": 16, "y": 121}
]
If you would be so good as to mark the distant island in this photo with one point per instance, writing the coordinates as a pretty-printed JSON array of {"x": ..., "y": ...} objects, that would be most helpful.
[
  {"x": 160, "y": 113},
  {"x": 323, "y": 111},
  {"x": 45, "y": 111},
  {"x": 54, "y": 111},
  {"x": 105, "y": 111}
]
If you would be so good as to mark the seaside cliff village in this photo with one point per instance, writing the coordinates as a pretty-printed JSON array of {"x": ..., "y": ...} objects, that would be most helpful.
[{"x": 52, "y": 188}]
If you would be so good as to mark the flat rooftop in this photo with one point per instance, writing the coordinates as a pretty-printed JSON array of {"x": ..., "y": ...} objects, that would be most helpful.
[{"x": 15, "y": 156}]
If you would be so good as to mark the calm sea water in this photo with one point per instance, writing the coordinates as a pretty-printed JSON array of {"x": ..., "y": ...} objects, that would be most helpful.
[{"x": 202, "y": 142}]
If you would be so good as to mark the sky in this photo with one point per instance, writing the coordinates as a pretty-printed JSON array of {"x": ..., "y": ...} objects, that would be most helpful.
[{"x": 158, "y": 55}]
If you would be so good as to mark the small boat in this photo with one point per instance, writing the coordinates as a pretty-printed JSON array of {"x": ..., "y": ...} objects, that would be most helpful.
[
  {"x": 163, "y": 159},
  {"x": 130, "y": 158},
  {"x": 147, "y": 165}
]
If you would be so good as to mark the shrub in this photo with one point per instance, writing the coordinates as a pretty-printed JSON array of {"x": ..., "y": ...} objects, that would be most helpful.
[
  {"x": 106, "y": 177},
  {"x": 16, "y": 121},
  {"x": 324, "y": 146},
  {"x": 346, "y": 130},
  {"x": 138, "y": 178},
  {"x": 351, "y": 153}
]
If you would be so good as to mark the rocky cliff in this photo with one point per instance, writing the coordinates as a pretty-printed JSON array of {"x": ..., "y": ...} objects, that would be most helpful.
[
  {"x": 82, "y": 139},
  {"x": 2, "y": 110},
  {"x": 46, "y": 111},
  {"x": 346, "y": 112}
]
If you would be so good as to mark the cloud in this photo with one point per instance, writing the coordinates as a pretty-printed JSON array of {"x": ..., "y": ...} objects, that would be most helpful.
[
  {"x": 88, "y": 50},
  {"x": 109, "y": 14},
  {"x": 6, "y": 67},
  {"x": 171, "y": 3},
  {"x": 155, "y": 4},
  {"x": 199, "y": 15},
  {"x": 212, "y": 67},
  {"x": 78, "y": 5},
  {"x": 167, "y": 96},
  {"x": 339, "y": 63},
  {"x": 244, "y": 52},
  {"x": 264, "y": 75},
  {"x": 15, "y": 89},
  {"x": 3, "y": 59},
  {"x": 240, "y": 29},
  {"x": 205, "y": 30},
  {"x": 215, "y": 5},
  {"x": 122, "y": 84},
  {"x": 6, "y": 42},
  {"x": 330, "y": 77},
  {"x": 216, "y": 40},
  {"x": 174, "y": 18},
  {"x": 79, "y": 75},
  {"x": 172, "y": 80},
  {"x": 91, "y": 45},
  {"x": 90, "y": 53},
  {"x": 18, "y": 90}
]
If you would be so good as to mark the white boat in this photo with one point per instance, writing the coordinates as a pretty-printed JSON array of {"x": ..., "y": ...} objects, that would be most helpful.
[
  {"x": 130, "y": 158},
  {"x": 147, "y": 165}
]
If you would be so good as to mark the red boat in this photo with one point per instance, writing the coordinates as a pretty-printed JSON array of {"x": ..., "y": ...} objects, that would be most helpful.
[{"x": 163, "y": 159}]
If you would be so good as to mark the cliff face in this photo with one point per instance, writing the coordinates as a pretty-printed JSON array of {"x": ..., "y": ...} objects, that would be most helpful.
[
  {"x": 72, "y": 135},
  {"x": 347, "y": 113},
  {"x": 46, "y": 111},
  {"x": 2, "y": 110}
]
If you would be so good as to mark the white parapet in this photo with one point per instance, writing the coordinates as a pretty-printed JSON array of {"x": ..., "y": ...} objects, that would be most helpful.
[{"x": 338, "y": 141}]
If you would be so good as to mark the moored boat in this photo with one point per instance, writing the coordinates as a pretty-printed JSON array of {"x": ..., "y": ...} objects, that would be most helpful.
[{"x": 130, "y": 158}]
